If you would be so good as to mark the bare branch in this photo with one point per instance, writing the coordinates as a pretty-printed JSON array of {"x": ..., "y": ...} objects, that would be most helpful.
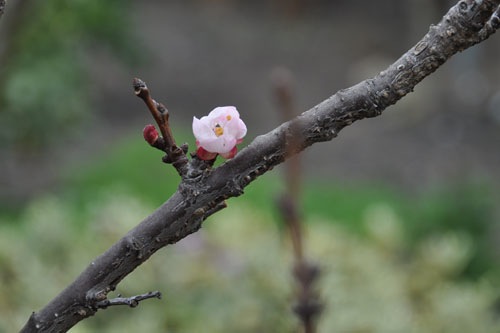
[
  {"x": 130, "y": 301},
  {"x": 174, "y": 154},
  {"x": 202, "y": 191}
]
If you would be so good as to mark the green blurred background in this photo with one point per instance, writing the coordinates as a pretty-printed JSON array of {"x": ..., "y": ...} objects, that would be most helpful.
[{"x": 401, "y": 211}]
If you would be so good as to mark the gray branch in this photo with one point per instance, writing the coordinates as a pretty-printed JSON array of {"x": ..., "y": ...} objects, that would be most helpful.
[
  {"x": 203, "y": 190},
  {"x": 129, "y": 301}
]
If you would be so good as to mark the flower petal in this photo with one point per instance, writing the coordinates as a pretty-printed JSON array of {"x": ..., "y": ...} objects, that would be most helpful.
[
  {"x": 202, "y": 129},
  {"x": 236, "y": 128},
  {"x": 223, "y": 111},
  {"x": 221, "y": 144}
]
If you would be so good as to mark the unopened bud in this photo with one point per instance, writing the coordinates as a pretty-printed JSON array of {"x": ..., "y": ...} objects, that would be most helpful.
[{"x": 150, "y": 134}]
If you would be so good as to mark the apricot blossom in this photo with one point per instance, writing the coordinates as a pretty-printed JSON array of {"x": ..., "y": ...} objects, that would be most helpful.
[{"x": 219, "y": 133}]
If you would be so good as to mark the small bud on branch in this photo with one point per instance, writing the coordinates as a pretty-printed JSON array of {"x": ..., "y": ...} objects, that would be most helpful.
[
  {"x": 150, "y": 134},
  {"x": 174, "y": 154}
]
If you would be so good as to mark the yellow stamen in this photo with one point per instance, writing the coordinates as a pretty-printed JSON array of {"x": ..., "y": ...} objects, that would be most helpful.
[
  {"x": 228, "y": 117},
  {"x": 218, "y": 130}
]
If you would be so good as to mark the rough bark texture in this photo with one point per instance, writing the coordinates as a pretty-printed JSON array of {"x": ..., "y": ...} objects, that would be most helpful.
[{"x": 203, "y": 190}]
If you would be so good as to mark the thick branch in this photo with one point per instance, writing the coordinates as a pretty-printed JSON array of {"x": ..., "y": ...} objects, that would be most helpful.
[{"x": 202, "y": 192}]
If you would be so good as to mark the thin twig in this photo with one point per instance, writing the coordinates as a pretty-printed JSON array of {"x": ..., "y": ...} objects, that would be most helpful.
[
  {"x": 130, "y": 301},
  {"x": 174, "y": 154},
  {"x": 158, "y": 110}
]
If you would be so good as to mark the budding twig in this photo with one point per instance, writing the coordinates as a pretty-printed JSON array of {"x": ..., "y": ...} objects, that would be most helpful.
[
  {"x": 174, "y": 154},
  {"x": 158, "y": 111}
]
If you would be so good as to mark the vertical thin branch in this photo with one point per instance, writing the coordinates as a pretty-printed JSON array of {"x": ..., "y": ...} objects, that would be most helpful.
[
  {"x": 283, "y": 81},
  {"x": 174, "y": 154},
  {"x": 306, "y": 273},
  {"x": 158, "y": 111}
]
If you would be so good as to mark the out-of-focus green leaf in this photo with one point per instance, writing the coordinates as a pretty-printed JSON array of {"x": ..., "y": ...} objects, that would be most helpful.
[{"x": 45, "y": 89}]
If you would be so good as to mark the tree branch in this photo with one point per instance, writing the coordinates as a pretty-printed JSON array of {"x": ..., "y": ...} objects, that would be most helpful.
[
  {"x": 174, "y": 154},
  {"x": 130, "y": 301},
  {"x": 202, "y": 191}
]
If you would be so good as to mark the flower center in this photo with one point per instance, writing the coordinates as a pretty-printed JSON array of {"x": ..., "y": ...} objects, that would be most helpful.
[{"x": 218, "y": 130}]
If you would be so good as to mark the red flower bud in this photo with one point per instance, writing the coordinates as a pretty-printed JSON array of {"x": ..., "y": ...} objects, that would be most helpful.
[{"x": 150, "y": 134}]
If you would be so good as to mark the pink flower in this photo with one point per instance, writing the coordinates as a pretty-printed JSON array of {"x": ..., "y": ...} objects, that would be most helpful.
[{"x": 219, "y": 133}]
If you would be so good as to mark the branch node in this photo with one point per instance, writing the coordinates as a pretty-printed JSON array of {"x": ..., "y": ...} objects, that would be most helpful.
[{"x": 163, "y": 111}]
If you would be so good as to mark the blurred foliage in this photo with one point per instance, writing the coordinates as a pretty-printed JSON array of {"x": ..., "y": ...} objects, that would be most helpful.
[
  {"x": 131, "y": 165},
  {"x": 391, "y": 262},
  {"x": 469, "y": 209},
  {"x": 44, "y": 83},
  {"x": 392, "y": 267},
  {"x": 233, "y": 275}
]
